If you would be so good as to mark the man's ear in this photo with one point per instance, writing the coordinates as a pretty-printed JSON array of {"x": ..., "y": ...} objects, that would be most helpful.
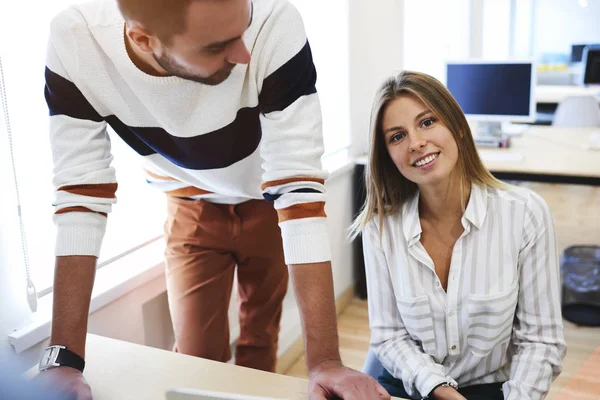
[{"x": 143, "y": 39}]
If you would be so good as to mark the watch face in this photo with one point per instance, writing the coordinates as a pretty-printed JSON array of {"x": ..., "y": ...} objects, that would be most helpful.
[{"x": 49, "y": 357}]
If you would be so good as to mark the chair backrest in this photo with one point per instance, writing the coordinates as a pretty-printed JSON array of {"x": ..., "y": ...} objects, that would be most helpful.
[{"x": 577, "y": 111}]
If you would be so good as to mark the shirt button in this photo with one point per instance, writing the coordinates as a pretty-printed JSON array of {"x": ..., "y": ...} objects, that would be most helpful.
[
  {"x": 453, "y": 347},
  {"x": 451, "y": 313},
  {"x": 437, "y": 284}
]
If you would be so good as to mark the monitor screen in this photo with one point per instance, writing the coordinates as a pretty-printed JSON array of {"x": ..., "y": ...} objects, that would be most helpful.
[
  {"x": 577, "y": 51},
  {"x": 493, "y": 91},
  {"x": 591, "y": 58}
]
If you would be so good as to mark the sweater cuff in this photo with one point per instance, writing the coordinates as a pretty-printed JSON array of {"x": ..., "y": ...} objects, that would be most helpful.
[
  {"x": 305, "y": 241},
  {"x": 79, "y": 233}
]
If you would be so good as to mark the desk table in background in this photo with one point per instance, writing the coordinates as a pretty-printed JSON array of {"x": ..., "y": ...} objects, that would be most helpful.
[{"x": 549, "y": 154}]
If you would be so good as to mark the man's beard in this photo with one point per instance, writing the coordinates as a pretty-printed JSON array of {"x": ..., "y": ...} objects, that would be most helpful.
[{"x": 174, "y": 69}]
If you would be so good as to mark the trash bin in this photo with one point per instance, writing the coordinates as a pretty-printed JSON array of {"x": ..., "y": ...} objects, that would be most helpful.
[{"x": 580, "y": 270}]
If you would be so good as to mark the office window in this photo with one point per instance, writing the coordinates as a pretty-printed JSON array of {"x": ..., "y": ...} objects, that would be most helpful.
[
  {"x": 327, "y": 28},
  {"x": 524, "y": 28},
  {"x": 137, "y": 217},
  {"x": 561, "y": 23},
  {"x": 496, "y": 29},
  {"x": 435, "y": 31}
]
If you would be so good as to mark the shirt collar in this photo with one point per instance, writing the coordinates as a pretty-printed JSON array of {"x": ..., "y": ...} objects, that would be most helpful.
[
  {"x": 477, "y": 206},
  {"x": 475, "y": 213},
  {"x": 411, "y": 224}
]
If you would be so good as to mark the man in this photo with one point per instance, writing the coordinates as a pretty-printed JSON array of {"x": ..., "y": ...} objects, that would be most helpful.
[{"x": 219, "y": 98}]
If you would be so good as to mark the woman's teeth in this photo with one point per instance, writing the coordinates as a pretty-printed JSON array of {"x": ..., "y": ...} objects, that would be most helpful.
[{"x": 426, "y": 160}]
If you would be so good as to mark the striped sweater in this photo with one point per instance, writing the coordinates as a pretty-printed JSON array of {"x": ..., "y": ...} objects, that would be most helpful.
[{"x": 256, "y": 135}]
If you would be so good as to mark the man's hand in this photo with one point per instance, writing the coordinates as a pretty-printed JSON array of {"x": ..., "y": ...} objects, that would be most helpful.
[
  {"x": 67, "y": 382},
  {"x": 447, "y": 393},
  {"x": 331, "y": 379}
]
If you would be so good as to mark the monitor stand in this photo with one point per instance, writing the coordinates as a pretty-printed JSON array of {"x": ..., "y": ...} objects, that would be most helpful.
[
  {"x": 489, "y": 129},
  {"x": 489, "y": 134}
]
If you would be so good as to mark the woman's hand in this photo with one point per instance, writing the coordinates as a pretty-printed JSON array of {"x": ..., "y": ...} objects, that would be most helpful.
[{"x": 447, "y": 393}]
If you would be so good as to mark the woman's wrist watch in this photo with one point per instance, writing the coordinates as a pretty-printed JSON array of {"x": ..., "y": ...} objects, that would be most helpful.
[{"x": 430, "y": 396}]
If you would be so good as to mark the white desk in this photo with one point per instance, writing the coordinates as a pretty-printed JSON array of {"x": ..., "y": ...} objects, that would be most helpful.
[
  {"x": 554, "y": 94},
  {"x": 118, "y": 370},
  {"x": 547, "y": 154}
]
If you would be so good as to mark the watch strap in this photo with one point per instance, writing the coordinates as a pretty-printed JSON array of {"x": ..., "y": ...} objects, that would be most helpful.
[
  {"x": 60, "y": 356},
  {"x": 70, "y": 359}
]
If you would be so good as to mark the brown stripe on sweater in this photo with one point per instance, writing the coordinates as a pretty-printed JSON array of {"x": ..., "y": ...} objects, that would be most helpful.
[
  {"x": 303, "y": 210},
  {"x": 100, "y": 190},
  {"x": 188, "y": 191},
  {"x": 290, "y": 180},
  {"x": 78, "y": 209},
  {"x": 160, "y": 177}
]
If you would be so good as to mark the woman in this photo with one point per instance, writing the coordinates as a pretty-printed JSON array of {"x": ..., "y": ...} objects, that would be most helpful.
[{"x": 462, "y": 269}]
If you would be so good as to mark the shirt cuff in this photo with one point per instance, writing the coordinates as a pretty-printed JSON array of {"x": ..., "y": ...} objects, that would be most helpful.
[
  {"x": 426, "y": 380},
  {"x": 79, "y": 233},
  {"x": 305, "y": 241}
]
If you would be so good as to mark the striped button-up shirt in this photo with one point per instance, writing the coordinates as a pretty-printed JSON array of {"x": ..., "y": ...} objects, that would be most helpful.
[{"x": 500, "y": 318}]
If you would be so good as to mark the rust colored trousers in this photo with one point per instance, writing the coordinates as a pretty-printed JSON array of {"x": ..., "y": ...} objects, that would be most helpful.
[{"x": 205, "y": 243}]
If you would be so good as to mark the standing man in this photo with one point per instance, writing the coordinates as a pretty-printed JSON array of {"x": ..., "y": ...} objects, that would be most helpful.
[{"x": 219, "y": 98}]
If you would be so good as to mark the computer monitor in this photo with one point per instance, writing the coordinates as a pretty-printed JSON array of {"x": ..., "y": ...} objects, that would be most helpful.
[
  {"x": 591, "y": 62},
  {"x": 577, "y": 51},
  {"x": 493, "y": 92}
]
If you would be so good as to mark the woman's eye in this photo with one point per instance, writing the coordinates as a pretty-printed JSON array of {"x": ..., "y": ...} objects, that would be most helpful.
[
  {"x": 428, "y": 122},
  {"x": 397, "y": 137}
]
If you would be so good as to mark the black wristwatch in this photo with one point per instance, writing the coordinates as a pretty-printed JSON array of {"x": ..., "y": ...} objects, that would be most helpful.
[{"x": 59, "y": 356}]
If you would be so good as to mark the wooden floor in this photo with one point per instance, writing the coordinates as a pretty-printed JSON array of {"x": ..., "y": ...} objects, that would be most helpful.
[{"x": 576, "y": 213}]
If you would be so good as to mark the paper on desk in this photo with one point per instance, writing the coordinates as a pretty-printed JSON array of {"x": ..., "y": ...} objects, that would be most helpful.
[
  {"x": 196, "y": 394},
  {"x": 500, "y": 156}
]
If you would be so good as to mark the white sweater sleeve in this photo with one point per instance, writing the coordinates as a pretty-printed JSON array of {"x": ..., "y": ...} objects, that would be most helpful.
[
  {"x": 292, "y": 142},
  {"x": 84, "y": 181}
]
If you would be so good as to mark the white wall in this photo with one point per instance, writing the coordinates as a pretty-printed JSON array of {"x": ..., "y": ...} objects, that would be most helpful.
[
  {"x": 435, "y": 31},
  {"x": 559, "y": 23},
  {"x": 376, "y": 52}
]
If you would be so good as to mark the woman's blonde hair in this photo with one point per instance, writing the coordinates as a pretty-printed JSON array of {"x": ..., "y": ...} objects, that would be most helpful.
[{"x": 387, "y": 189}]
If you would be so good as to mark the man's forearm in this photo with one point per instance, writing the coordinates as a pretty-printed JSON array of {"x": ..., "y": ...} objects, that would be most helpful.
[
  {"x": 73, "y": 283},
  {"x": 313, "y": 284}
]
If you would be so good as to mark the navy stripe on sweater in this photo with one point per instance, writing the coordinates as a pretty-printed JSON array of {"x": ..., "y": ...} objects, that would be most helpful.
[
  {"x": 64, "y": 98},
  {"x": 273, "y": 197},
  {"x": 294, "y": 79},
  {"x": 217, "y": 149},
  {"x": 213, "y": 150}
]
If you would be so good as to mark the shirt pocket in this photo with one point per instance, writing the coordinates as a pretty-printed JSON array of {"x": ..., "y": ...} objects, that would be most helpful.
[
  {"x": 491, "y": 319},
  {"x": 418, "y": 320}
]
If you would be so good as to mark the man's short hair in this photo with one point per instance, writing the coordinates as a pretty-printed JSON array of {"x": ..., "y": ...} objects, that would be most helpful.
[{"x": 162, "y": 18}]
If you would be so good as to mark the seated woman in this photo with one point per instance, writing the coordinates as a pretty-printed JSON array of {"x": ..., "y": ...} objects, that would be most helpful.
[{"x": 462, "y": 269}]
